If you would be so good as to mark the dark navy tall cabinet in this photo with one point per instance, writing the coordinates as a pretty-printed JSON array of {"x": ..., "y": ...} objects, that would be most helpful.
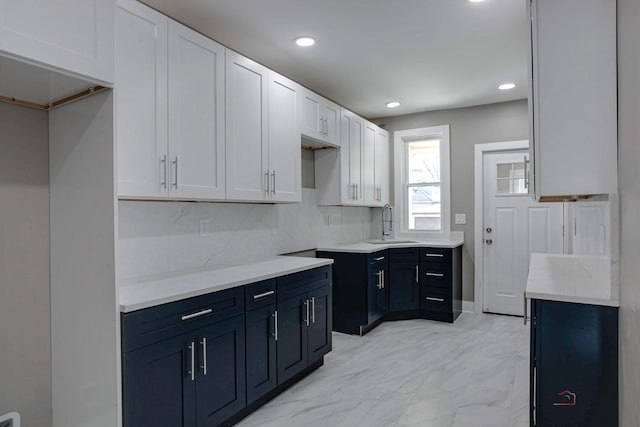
[{"x": 574, "y": 364}]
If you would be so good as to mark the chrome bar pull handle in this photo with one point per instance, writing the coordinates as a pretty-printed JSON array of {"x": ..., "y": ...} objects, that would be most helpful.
[
  {"x": 192, "y": 372},
  {"x": 435, "y": 299},
  {"x": 275, "y": 325},
  {"x": 380, "y": 258},
  {"x": 306, "y": 307},
  {"x": 266, "y": 182},
  {"x": 163, "y": 165},
  {"x": 417, "y": 274},
  {"x": 273, "y": 177},
  {"x": 313, "y": 309},
  {"x": 198, "y": 314},
  {"x": 526, "y": 172},
  {"x": 435, "y": 274},
  {"x": 382, "y": 279},
  {"x": 435, "y": 255},
  {"x": 262, "y": 295},
  {"x": 204, "y": 356},
  {"x": 175, "y": 176}
]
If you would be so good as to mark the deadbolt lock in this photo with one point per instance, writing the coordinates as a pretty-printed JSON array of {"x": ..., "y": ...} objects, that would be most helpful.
[{"x": 489, "y": 229}]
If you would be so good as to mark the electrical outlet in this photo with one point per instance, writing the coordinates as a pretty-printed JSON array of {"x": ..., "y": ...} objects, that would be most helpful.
[
  {"x": 205, "y": 229},
  {"x": 461, "y": 218}
]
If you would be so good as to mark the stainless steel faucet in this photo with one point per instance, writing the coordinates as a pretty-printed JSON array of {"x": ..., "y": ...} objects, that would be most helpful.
[{"x": 389, "y": 221}]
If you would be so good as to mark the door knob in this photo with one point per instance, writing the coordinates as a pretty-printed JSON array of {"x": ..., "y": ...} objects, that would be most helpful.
[
  {"x": 489, "y": 229},
  {"x": 488, "y": 241}
]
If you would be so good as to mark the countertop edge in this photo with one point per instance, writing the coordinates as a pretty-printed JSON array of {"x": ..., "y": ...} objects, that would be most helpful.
[
  {"x": 370, "y": 247},
  {"x": 198, "y": 291},
  {"x": 572, "y": 299}
]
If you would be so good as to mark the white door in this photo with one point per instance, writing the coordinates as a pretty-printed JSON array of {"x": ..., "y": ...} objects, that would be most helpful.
[
  {"x": 284, "y": 140},
  {"x": 196, "y": 115},
  {"x": 246, "y": 128},
  {"x": 141, "y": 101},
  {"x": 514, "y": 227}
]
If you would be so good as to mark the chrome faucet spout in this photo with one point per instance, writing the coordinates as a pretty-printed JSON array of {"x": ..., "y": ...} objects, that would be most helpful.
[{"x": 386, "y": 231}]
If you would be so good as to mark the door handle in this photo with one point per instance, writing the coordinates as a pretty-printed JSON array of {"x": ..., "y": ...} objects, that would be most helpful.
[
  {"x": 275, "y": 325},
  {"x": 175, "y": 177},
  {"x": 306, "y": 306},
  {"x": 163, "y": 163},
  {"x": 435, "y": 274},
  {"x": 313, "y": 309},
  {"x": 382, "y": 278},
  {"x": 266, "y": 182},
  {"x": 489, "y": 241},
  {"x": 192, "y": 372},
  {"x": 203, "y": 343},
  {"x": 435, "y": 299},
  {"x": 262, "y": 295},
  {"x": 273, "y": 176},
  {"x": 417, "y": 275},
  {"x": 198, "y": 314}
]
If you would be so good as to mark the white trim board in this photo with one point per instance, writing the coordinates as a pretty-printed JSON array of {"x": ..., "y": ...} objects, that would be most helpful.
[
  {"x": 468, "y": 307},
  {"x": 479, "y": 151}
]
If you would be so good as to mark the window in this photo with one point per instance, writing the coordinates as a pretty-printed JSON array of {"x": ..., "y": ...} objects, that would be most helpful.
[
  {"x": 510, "y": 179},
  {"x": 422, "y": 179}
]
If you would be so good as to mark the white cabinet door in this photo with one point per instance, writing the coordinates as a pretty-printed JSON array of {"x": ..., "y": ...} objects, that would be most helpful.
[
  {"x": 73, "y": 36},
  {"x": 284, "y": 140},
  {"x": 382, "y": 167},
  {"x": 352, "y": 129},
  {"x": 247, "y": 174},
  {"x": 331, "y": 118},
  {"x": 574, "y": 97},
  {"x": 369, "y": 191},
  {"x": 319, "y": 118},
  {"x": 141, "y": 101},
  {"x": 196, "y": 115}
]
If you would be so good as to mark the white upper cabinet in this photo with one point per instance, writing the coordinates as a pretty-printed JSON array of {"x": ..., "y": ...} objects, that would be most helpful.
[
  {"x": 284, "y": 140},
  {"x": 263, "y": 136},
  {"x": 196, "y": 115},
  {"x": 170, "y": 108},
  {"x": 573, "y": 97},
  {"x": 369, "y": 189},
  {"x": 352, "y": 129},
  {"x": 381, "y": 178},
  {"x": 141, "y": 101},
  {"x": 72, "y": 36},
  {"x": 319, "y": 118}
]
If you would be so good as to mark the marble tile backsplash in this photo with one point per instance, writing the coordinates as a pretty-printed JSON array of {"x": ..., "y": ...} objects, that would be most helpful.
[{"x": 162, "y": 237}]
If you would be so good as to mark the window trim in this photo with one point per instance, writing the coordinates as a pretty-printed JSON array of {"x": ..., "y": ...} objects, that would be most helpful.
[{"x": 400, "y": 175}]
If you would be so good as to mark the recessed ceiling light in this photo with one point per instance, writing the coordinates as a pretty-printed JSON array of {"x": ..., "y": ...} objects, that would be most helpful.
[
  {"x": 475, "y": 1},
  {"x": 393, "y": 104},
  {"x": 305, "y": 41},
  {"x": 507, "y": 86}
]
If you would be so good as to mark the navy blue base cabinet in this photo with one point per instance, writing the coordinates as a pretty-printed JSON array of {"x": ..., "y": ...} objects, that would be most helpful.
[
  {"x": 574, "y": 364},
  {"x": 211, "y": 360}
]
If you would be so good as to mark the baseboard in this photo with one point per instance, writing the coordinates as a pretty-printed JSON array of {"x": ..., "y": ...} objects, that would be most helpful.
[{"x": 468, "y": 307}]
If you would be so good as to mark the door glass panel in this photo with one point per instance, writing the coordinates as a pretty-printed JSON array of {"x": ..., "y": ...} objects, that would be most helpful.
[{"x": 510, "y": 179}]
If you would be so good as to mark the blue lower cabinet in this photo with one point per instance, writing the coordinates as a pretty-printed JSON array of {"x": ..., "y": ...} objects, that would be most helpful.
[
  {"x": 320, "y": 324},
  {"x": 574, "y": 364},
  {"x": 404, "y": 280},
  {"x": 261, "y": 352},
  {"x": 292, "y": 337}
]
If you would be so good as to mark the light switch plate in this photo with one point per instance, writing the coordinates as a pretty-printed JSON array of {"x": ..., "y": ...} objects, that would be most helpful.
[{"x": 461, "y": 218}]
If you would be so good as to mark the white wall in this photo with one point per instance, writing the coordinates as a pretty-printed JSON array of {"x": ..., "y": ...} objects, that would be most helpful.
[
  {"x": 25, "y": 342},
  {"x": 506, "y": 121},
  {"x": 159, "y": 237},
  {"x": 629, "y": 186}
]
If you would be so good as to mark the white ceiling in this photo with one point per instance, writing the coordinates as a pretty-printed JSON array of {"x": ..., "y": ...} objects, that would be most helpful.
[{"x": 428, "y": 54}]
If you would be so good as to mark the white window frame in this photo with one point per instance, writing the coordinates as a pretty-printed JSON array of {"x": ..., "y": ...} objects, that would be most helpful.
[{"x": 400, "y": 138}]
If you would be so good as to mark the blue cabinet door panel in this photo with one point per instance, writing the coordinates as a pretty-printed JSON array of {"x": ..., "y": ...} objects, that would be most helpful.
[
  {"x": 292, "y": 337},
  {"x": 261, "y": 352}
]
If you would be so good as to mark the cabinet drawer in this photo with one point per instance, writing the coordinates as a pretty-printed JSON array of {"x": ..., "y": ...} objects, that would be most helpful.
[
  {"x": 435, "y": 255},
  {"x": 403, "y": 255},
  {"x": 299, "y": 283},
  {"x": 435, "y": 299},
  {"x": 378, "y": 257},
  {"x": 260, "y": 294},
  {"x": 155, "y": 324},
  {"x": 435, "y": 274}
]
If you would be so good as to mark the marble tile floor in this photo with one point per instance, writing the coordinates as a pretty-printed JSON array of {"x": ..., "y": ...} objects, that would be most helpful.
[{"x": 416, "y": 373}]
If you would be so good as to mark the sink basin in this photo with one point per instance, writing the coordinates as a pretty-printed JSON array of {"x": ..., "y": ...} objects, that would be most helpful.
[{"x": 390, "y": 242}]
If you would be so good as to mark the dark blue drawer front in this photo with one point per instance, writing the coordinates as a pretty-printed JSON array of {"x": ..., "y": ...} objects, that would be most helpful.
[
  {"x": 151, "y": 325},
  {"x": 403, "y": 255},
  {"x": 299, "y": 283},
  {"x": 442, "y": 255},
  {"x": 260, "y": 294}
]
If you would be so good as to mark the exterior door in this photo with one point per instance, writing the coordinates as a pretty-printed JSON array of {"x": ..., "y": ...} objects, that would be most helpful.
[{"x": 515, "y": 226}]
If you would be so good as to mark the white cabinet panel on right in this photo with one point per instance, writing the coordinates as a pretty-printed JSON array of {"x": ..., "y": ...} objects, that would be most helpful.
[
  {"x": 319, "y": 118},
  {"x": 573, "y": 101}
]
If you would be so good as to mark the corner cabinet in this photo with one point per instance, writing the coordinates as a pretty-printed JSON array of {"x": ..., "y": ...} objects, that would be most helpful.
[
  {"x": 262, "y": 138},
  {"x": 213, "y": 359},
  {"x": 170, "y": 108},
  {"x": 77, "y": 38},
  {"x": 574, "y": 364},
  {"x": 573, "y": 98}
]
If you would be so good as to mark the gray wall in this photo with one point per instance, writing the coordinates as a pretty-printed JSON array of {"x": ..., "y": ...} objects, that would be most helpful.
[
  {"x": 25, "y": 343},
  {"x": 507, "y": 121},
  {"x": 629, "y": 188}
]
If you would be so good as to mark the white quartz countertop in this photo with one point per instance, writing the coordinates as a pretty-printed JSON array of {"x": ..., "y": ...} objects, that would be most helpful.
[
  {"x": 136, "y": 294},
  {"x": 571, "y": 278},
  {"x": 369, "y": 246}
]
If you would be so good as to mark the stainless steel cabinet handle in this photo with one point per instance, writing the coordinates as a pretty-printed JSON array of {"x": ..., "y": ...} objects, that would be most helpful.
[
  {"x": 382, "y": 279},
  {"x": 380, "y": 258},
  {"x": 275, "y": 325},
  {"x": 266, "y": 182},
  {"x": 435, "y": 274},
  {"x": 313, "y": 309},
  {"x": 306, "y": 306},
  {"x": 175, "y": 176},
  {"x": 525, "y": 308},
  {"x": 273, "y": 177},
  {"x": 417, "y": 274},
  {"x": 203, "y": 343},
  {"x": 262, "y": 295},
  {"x": 198, "y": 314},
  {"x": 354, "y": 192},
  {"x": 192, "y": 372},
  {"x": 435, "y": 255},
  {"x": 163, "y": 164},
  {"x": 379, "y": 274},
  {"x": 435, "y": 299}
]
